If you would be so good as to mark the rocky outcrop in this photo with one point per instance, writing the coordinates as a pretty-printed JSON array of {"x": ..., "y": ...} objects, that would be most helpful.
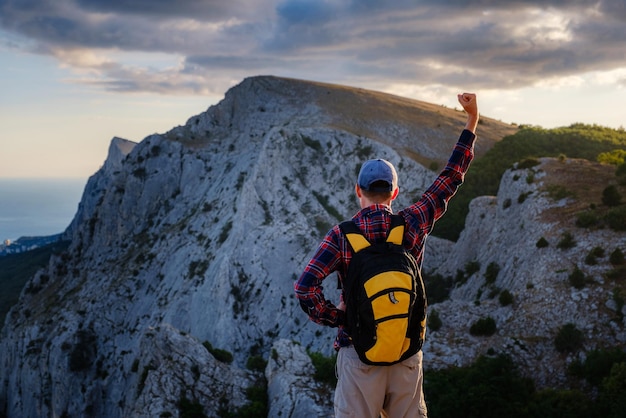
[
  {"x": 503, "y": 231},
  {"x": 186, "y": 245},
  {"x": 97, "y": 184},
  {"x": 292, "y": 390}
]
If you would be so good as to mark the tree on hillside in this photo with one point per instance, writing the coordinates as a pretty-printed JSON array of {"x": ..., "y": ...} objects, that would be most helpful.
[
  {"x": 611, "y": 196},
  {"x": 615, "y": 157}
]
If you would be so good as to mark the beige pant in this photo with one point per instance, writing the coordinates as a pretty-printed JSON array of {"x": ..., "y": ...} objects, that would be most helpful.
[{"x": 365, "y": 391}]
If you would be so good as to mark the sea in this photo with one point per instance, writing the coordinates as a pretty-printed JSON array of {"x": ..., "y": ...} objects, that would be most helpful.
[{"x": 38, "y": 207}]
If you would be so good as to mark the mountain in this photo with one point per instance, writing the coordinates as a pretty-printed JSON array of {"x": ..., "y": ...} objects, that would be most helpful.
[{"x": 185, "y": 247}]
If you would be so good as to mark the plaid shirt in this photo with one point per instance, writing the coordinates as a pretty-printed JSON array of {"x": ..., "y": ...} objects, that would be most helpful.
[{"x": 334, "y": 253}]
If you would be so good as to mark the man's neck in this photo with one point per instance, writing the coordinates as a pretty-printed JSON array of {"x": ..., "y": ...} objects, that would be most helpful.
[
  {"x": 377, "y": 206},
  {"x": 365, "y": 202}
]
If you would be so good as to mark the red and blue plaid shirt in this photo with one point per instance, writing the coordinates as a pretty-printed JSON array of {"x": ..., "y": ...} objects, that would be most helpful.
[{"x": 334, "y": 253}]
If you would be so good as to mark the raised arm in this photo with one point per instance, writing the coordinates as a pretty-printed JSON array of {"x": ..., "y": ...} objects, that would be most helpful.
[
  {"x": 432, "y": 205},
  {"x": 468, "y": 101}
]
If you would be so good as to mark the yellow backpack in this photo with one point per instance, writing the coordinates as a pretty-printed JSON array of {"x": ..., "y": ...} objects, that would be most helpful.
[{"x": 385, "y": 297}]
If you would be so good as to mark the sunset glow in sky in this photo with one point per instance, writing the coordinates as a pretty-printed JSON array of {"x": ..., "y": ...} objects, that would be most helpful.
[{"x": 76, "y": 73}]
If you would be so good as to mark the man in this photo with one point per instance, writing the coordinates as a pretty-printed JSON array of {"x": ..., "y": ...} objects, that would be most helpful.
[{"x": 390, "y": 391}]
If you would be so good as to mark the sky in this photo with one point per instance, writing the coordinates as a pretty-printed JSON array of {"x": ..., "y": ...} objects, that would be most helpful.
[{"x": 76, "y": 73}]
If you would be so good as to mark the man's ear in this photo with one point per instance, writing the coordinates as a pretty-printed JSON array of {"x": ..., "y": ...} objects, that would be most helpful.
[
  {"x": 395, "y": 193},
  {"x": 357, "y": 190}
]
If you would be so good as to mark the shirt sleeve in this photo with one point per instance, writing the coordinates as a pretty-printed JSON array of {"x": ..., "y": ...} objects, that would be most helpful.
[
  {"x": 309, "y": 289},
  {"x": 423, "y": 214}
]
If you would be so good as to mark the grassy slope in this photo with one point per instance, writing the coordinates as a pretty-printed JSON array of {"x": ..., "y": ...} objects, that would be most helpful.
[{"x": 393, "y": 120}]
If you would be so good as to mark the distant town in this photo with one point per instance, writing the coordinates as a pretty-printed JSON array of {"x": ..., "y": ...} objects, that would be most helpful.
[{"x": 26, "y": 244}]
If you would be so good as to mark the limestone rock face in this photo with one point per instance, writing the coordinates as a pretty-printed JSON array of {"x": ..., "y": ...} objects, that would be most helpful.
[
  {"x": 292, "y": 390},
  {"x": 185, "y": 248},
  {"x": 175, "y": 368}
]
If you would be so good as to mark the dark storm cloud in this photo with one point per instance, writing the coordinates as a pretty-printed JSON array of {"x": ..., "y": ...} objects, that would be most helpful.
[
  {"x": 488, "y": 43},
  {"x": 145, "y": 25},
  {"x": 205, "y": 9}
]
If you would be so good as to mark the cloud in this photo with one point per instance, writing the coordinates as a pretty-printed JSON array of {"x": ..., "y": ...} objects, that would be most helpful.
[
  {"x": 308, "y": 12},
  {"x": 485, "y": 43},
  {"x": 212, "y": 10}
]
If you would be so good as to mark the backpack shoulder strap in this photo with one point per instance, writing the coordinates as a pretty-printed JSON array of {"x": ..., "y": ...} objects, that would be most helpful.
[
  {"x": 396, "y": 230},
  {"x": 354, "y": 236}
]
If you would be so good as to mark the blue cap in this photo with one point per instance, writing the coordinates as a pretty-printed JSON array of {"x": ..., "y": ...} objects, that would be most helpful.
[{"x": 379, "y": 170}]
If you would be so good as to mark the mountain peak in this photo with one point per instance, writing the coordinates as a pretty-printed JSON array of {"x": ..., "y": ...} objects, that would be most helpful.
[
  {"x": 423, "y": 131},
  {"x": 119, "y": 148}
]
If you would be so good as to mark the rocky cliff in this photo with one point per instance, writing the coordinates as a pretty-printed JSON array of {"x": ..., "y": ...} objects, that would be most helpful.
[
  {"x": 186, "y": 245},
  {"x": 524, "y": 241}
]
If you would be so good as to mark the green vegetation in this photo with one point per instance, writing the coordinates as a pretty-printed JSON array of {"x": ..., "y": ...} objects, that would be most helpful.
[
  {"x": 587, "y": 219},
  {"x": 257, "y": 402},
  {"x": 190, "y": 409},
  {"x": 434, "y": 321},
  {"x": 592, "y": 257},
  {"x": 569, "y": 339},
  {"x": 617, "y": 257},
  {"x": 567, "y": 241},
  {"x": 493, "y": 387},
  {"x": 597, "y": 365},
  {"x": 611, "y": 196},
  {"x": 219, "y": 354},
  {"x": 577, "y": 278},
  {"x": 483, "y": 327},
  {"x": 505, "y": 298},
  {"x": 472, "y": 267},
  {"x": 618, "y": 261},
  {"x": 324, "y": 368},
  {"x": 256, "y": 406},
  {"x": 17, "y": 269},
  {"x": 616, "y": 218},
  {"x": 576, "y": 141},
  {"x": 225, "y": 231},
  {"x": 615, "y": 157},
  {"x": 256, "y": 363},
  {"x": 491, "y": 274},
  {"x": 198, "y": 268},
  {"x": 437, "y": 287}
]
